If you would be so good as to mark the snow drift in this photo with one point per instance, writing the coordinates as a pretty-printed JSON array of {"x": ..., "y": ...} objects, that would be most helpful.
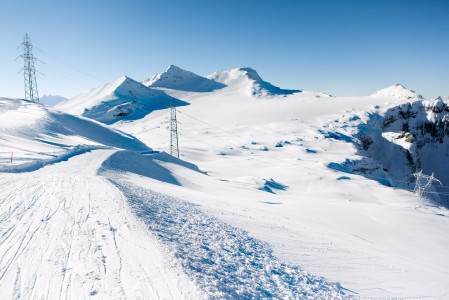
[{"x": 36, "y": 135}]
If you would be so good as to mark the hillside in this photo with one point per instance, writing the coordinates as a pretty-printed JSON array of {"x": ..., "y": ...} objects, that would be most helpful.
[{"x": 36, "y": 135}]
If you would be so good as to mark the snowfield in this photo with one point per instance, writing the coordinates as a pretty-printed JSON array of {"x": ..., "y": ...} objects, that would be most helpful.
[{"x": 285, "y": 194}]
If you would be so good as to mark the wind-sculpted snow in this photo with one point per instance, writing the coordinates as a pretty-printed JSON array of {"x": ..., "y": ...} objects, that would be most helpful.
[
  {"x": 33, "y": 135},
  {"x": 225, "y": 261}
]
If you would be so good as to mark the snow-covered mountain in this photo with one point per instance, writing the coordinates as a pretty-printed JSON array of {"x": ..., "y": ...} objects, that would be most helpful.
[
  {"x": 267, "y": 200},
  {"x": 397, "y": 91},
  {"x": 403, "y": 140},
  {"x": 122, "y": 99},
  {"x": 247, "y": 80},
  {"x": 51, "y": 99},
  {"x": 179, "y": 79}
]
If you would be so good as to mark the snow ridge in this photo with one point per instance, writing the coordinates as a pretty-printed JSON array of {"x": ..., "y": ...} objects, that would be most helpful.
[{"x": 179, "y": 79}]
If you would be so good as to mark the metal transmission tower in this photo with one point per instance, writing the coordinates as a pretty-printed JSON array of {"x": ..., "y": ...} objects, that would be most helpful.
[
  {"x": 174, "y": 149},
  {"x": 424, "y": 182},
  {"x": 29, "y": 70}
]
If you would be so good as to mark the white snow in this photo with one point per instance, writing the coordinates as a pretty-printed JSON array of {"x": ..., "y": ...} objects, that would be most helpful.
[
  {"x": 122, "y": 99},
  {"x": 35, "y": 135},
  {"x": 248, "y": 81},
  {"x": 67, "y": 233},
  {"x": 371, "y": 238},
  {"x": 260, "y": 206}
]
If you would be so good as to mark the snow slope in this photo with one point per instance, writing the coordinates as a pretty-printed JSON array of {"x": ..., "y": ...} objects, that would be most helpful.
[
  {"x": 178, "y": 79},
  {"x": 35, "y": 135},
  {"x": 264, "y": 209},
  {"x": 268, "y": 165},
  {"x": 66, "y": 233},
  {"x": 122, "y": 99},
  {"x": 397, "y": 91},
  {"x": 86, "y": 225}
]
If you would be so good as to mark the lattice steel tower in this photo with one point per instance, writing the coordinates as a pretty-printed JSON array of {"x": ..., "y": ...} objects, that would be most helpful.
[
  {"x": 174, "y": 149},
  {"x": 29, "y": 71}
]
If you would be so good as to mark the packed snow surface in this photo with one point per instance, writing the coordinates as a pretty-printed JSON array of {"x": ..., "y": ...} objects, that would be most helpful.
[{"x": 67, "y": 233}]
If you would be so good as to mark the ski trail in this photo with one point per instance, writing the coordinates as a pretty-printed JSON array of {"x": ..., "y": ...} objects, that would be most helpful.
[
  {"x": 225, "y": 261},
  {"x": 67, "y": 233}
]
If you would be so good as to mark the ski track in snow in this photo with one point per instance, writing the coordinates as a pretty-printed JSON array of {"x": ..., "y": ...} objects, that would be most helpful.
[
  {"x": 225, "y": 261},
  {"x": 67, "y": 233}
]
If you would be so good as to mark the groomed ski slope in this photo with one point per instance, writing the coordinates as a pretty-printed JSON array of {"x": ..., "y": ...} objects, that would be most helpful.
[
  {"x": 79, "y": 229},
  {"x": 66, "y": 233}
]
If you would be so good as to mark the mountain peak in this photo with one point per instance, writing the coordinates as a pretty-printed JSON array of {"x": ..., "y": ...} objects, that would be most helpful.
[
  {"x": 252, "y": 74},
  {"x": 179, "y": 79},
  {"x": 121, "y": 99},
  {"x": 397, "y": 91},
  {"x": 173, "y": 68},
  {"x": 248, "y": 79}
]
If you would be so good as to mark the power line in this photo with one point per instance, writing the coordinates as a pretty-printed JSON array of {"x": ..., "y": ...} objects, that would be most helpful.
[
  {"x": 174, "y": 147},
  {"x": 69, "y": 66}
]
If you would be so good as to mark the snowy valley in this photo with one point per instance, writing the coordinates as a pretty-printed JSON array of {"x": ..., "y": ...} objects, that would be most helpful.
[{"x": 278, "y": 193}]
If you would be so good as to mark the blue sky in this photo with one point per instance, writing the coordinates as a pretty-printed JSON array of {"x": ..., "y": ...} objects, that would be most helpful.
[{"x": 344, "y": 48}]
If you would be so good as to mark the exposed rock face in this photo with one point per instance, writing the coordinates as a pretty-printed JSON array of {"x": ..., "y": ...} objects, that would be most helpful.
[{"x": 407, "y": 138}]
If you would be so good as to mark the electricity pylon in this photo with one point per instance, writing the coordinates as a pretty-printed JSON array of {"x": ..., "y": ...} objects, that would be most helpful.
[
  {"x": 424, "y": 182},
  {"x": 29, "y": 71},
  {"x": 174, "y": 149}
]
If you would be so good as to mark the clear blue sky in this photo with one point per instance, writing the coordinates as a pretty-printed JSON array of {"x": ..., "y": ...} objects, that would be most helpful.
[{"x": 339, "y": 47}]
